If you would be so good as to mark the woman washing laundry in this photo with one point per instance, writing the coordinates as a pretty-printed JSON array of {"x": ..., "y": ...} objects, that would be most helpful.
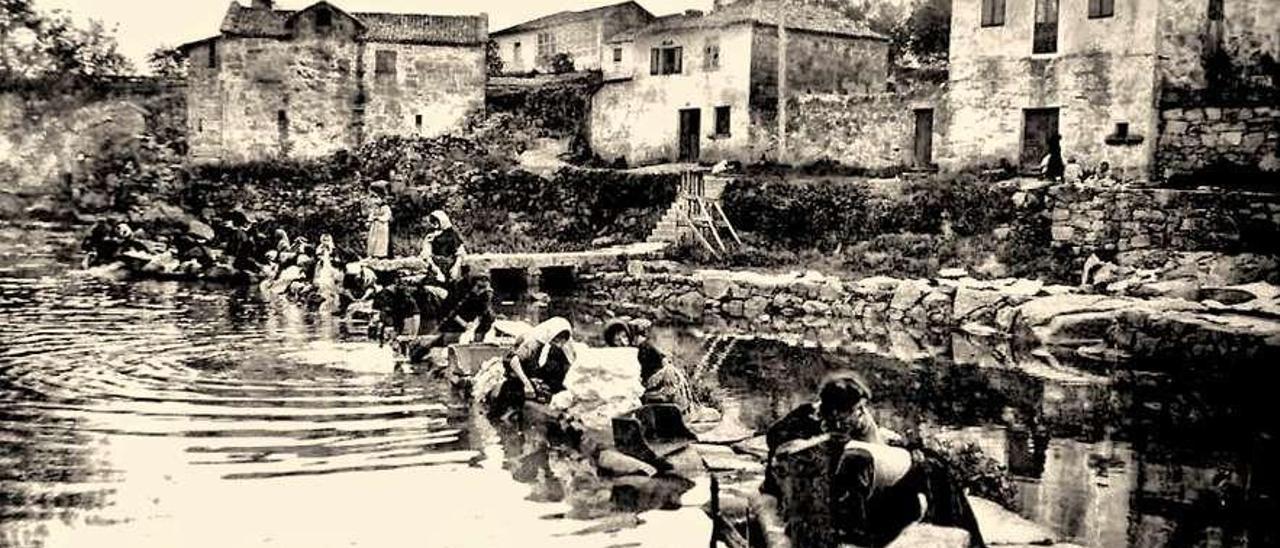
[{"x": 536, "y": 367}]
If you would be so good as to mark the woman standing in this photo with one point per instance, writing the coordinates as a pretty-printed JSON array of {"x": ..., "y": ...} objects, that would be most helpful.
[
  {"x": 379, "y": 240},
  {"x": 442, "y": 248}
]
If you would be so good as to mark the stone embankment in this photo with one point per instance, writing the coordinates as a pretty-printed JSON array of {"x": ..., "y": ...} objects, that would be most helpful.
[{"x": 1024, "y": 313}]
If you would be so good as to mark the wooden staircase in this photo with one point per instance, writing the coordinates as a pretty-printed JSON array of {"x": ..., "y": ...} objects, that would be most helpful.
[{"x": 697, "y": 214}]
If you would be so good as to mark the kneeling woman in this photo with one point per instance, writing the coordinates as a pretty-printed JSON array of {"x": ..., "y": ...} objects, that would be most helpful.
[{"x": 536, "y": 367}]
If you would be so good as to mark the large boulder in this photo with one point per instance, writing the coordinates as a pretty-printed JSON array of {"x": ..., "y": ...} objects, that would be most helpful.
[{"x": 923, "y": 535}]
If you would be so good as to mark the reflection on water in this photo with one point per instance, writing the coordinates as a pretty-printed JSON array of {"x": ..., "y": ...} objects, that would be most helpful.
[
  {"x": 1139, "y": 461},
  {"x": 178, "y": 415}
]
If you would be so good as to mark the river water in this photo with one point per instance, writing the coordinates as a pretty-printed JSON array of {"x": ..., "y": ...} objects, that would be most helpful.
[{"x": 168, "y": 414}]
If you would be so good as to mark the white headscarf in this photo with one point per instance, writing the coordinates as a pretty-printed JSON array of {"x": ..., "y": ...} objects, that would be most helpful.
[
  {"x": 442, "y": 219},
  {"x": 546, "y": 332}
]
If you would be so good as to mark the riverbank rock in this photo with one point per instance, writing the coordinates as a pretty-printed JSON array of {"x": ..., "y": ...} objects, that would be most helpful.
[
  {"x": 923, "y": 535},
  {"x": 614, "y": 463}
]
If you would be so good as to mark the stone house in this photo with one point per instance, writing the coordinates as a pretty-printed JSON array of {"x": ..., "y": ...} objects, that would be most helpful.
[
  {"x": 530, "y": 46},
  {"x": 1127, "y": 82},
  {"x": 711, "y": 87},
  {"x": 280, "y": 83}
]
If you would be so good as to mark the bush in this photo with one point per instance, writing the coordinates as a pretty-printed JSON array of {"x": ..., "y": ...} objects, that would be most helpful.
[{"x": 798, "y": 215}]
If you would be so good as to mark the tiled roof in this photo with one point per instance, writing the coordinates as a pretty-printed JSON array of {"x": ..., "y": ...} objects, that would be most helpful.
[
  {"x": 378, "y": 27},
  {"x": 794, "y": 14},
  {"x": 564, "y": 17}
]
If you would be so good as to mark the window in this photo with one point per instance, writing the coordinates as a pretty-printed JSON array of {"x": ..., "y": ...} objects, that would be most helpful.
[
  {"x": 515, "y": 51},
  {"x": 1101, "y": 8},
  {"x": 324, "y": 19},
  {"x": 546, "y": 45},
  {"x": 417, "y": 123},
  {"x": 1215, "y": 10},
  {"x": 385, "y": 63},
  {"x": 213, "y": 54},
  {"x": 711, "y": 56},
  {"x": 992, "y": 13},
  {"x": 722, "y": 121},
  {"x": 1045, "y": 39},
  {"x": 617, "y": 55},
  {"x": 666, "y": 60}
]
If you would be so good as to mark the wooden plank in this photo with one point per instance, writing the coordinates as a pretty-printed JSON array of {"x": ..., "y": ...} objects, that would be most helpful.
[{"x": 727, "y": 224}]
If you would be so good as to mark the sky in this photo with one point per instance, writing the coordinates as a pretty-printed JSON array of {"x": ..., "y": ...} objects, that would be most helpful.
[{"x": 144, "y": 25}]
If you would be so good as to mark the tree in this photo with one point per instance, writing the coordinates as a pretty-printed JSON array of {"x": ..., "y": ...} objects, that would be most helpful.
[
  {"x": 562, "y": 63},
  {"x": 36, "y": 46},
  {"x": 493, "y": 62},
  {"x": 167, "y": 62},
  {"x": 919, "y": 31}
]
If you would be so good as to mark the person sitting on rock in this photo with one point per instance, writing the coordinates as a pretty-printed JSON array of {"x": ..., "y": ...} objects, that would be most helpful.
[
  {"x": 536, "y": 367},
  {"x": 877, "y": 489},
  {"x": 443, "y": 249},
  {"x": 664, "y": 381}
]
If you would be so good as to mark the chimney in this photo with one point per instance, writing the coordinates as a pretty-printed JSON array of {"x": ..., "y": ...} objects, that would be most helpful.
[{"x": 264, "y": 4}]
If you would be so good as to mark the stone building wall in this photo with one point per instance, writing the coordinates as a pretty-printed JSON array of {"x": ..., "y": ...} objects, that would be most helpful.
[
  {"x": 1247, "y": 33},
  {"x": 1197, "y": 138},
  {"x": 268, "y": 98},
  {"x": 1086, "y": 219},
  {"x": 442, "y": 85},
  {"x": 1102, "y": 74}
]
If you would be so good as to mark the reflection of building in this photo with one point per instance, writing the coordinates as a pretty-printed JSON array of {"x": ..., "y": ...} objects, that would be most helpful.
[
  {"x": 712, "y": 87},
  {"x": 1149, "y": 86},
  {"x": 531, "y": 45},
  {"x": 309, "y": 82}
]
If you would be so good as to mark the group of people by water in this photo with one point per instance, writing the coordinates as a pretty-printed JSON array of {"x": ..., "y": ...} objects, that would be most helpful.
[{"x": 878, "y": 488}]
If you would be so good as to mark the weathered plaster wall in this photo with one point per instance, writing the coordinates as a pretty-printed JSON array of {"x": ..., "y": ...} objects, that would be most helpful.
[
  {"x": 581, "y": 39},
  {"x": 1103, "y": 73},
  {"x": 1248, "y": 32},
  {"x": 1195, "y": 138},
  {"x": 1087, "y": 219},
  {"x": 638, "y": 119},
  {"x": 816, "y": 64},
  {"x": 442, "y": 84}
]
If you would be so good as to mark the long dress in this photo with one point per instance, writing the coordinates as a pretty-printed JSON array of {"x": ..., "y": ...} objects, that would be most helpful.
[{"x": 379, "y": 232}]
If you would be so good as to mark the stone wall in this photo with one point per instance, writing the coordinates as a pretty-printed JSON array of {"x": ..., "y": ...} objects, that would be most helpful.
[
  {"x": 580, "y": 39},
  {"x": 1196, "y": 138},
  {"x": 865, "y": 130},
  {"x": 1087, "y": 219},
  {"x": 918, "y": 318},
  {"x": 1246, "y": 33}
]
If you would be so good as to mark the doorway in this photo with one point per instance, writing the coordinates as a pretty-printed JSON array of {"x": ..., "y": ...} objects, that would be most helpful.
[
  {"x": 690, "y": 130},
  {"x": 923, "y": 150},
  {"x": 1037, "y": 126}
]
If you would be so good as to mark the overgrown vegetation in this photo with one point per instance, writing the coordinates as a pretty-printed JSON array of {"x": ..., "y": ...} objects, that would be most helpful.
[
  {"x": 900, "y": 228},
  {"x": 474, "y": 178}
]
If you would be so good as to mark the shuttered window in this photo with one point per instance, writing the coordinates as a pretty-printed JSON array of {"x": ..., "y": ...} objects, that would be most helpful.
[
  {"x": 1101, "y": 8},
  {"x": 992, "y": 13},
  {"x": 666, "y": 60}
]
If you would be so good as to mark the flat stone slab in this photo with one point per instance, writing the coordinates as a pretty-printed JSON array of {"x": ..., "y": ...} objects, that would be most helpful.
[{"x": 622, "y": 253}]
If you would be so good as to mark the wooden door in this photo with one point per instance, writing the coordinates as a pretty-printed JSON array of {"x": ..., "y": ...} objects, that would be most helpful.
[
  {"x": 1038, "y": 124},
  {"x": 923, "y": 155},
  {"x": 690, "y": 131}
]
